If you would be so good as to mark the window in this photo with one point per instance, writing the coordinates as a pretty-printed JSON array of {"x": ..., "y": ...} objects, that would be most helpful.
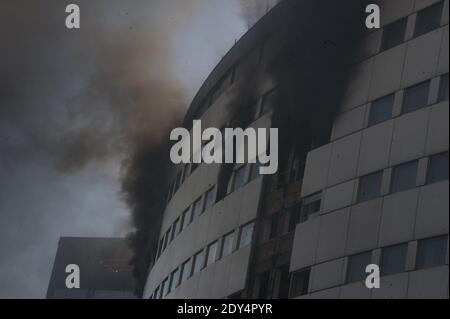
[
  {"x": 300, "y": 283},
  {"x": 174, "y": 279},
  {"x": 175, "y": 228},
  {"x": 227, "y": 244},
  {"x": 186, "y": 218},
  {"x": 178, "y": 181},
  {"x": 197, "y": 208},
  {"x": 356, "y": 268},
  {"x": 186, "y": 270},
  {"x": 274, "y": 226},
  {"x": 199, "y": 261},
  {"x": 263, "y": 280},
  {"x": 239, "y": 178},
  {"x": 245, "y": 235},
  {"x": 209, "y": 198},
  {"x": 156, "y": 294},
  {"x": 311, "y": 205},
  {"x": 393, "y": 259},
  {"x": 186, "y": 171},
  {"x": 369, "y": 187},
  {"x": 166, "y": 238},
  {"x": 212, "y": 253},
  {"x": 164, "y": 288},
  {"x": 443, "y": 88},
  {"x": 428, "y": 19},
  {"x": 394, "y": 34},
  {"x": 161, "y": 245},
  {"x": 438, "y": 168},
  {"x": 294, "y": 217},
  {"x": 285, "y": 278},
  {"x": 381, "y": 110},
  {"x": 431, "y": 252},
  {"x": 404, "y": 177},
  {"x": 416, "y": 97}
]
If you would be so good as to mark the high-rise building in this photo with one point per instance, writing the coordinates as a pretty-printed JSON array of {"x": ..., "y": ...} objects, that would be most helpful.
[
  {"x": 104, "y": 269},
  {"x": 363, "y": 161}
]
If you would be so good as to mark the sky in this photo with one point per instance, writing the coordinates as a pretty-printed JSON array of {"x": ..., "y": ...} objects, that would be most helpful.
[{"x": 74, "y": 104}]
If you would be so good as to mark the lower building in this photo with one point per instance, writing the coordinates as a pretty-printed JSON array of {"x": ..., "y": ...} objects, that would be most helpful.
[{"x": 103, "y": 265}]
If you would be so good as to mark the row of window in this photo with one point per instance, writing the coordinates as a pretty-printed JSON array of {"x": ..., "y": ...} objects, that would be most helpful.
[
  {"x": 256, "y": 110},
  {"x": 204, "y": 258},
  {"x": 187, "y": 217},
  {"x": 428, "y": 19},
  {"x": 239, "y": 179},
  {"x": 431, "y": 252},
  {"x": 404, "y": 177},
  {"x": 415, "y": 97}
]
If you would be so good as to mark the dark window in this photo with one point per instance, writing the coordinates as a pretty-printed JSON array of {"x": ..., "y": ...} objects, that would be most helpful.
[
  {"x": 161, "y": 245},
  {"x": 199, "y": 261},
  {"x": 197, "y": 208},
  {"x": 416, "y": 97},
  {"x": 166, "y": 239},
  {"x": 245, "y": 235},
  {"x": 285, "y": 278},
  {"x": 311, "y": 205},
  {"x": 381, "y": 110},
  {"x": 156, "y": 294},
  {"x": 294, "y": 217},
  {"x": 163, "y": 289},
  {"x": 404, "y": 177},
  {"x": 394, "y": 34},
  {"x": 239, "y": 178},
  {"x": 443, "y": 88},
  {"x": 209, "y": 198},
  {"x": 369, "y": 187},
  {"x": 438, "y": 168},
  {"x": 186, "y": 270},
  {"x": 178, "y": 180},
  {"x": 300, "y": 283},
  {"x": 212, "y": 253},
  {"x": 227, "y": 244},
  {"x": 274, "y": 225},
  {"x": 174, "y": 279},
  {"x": 428, "y": 19},
  {"x": 393, "y": 259},
  {"x": 431, "y": 252},
  {"x": 186, "y": 218},
  {"x": 186, "y": 172},
  {"x": 263, "y": 290},
  {"x": 356, "y": 268},
  {"x": 175, "y": 228}
]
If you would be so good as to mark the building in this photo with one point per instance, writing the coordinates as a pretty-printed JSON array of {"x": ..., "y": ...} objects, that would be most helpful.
[
  {"x": 104, "y": 269},
  {"x": 363, "y": 176}
]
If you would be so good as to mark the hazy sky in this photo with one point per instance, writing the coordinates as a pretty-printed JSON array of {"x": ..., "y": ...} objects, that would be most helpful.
[{"x": 72, "y": 104}]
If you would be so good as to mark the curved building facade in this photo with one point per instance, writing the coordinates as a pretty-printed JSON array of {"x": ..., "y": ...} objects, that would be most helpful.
[{"x": 363, "y": 161}]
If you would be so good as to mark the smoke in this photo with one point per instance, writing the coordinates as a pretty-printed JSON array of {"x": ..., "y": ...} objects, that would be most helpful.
[
  {"x": 80, "y": 109},
  {"x": 253, "y": 10}
]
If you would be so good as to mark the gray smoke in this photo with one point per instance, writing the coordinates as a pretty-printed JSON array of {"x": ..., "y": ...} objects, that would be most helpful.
[{"x": 77, "y": 107}]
